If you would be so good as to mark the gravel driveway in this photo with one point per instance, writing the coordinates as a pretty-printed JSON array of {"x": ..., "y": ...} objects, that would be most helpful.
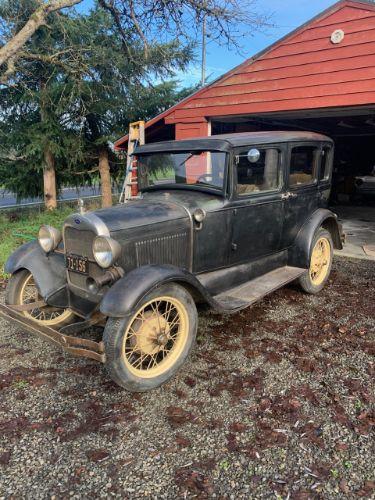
[{"x": 275, "y": 402}]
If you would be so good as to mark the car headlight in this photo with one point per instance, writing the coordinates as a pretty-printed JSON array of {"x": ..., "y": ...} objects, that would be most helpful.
[
  {"x": 106, "y": 251},
  {"x": 49, "y": 238}
]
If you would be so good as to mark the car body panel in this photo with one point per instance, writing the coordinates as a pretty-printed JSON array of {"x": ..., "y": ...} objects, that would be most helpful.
[
  {"x": 239, "y": 239},
  {"x": 48, "y": 271}
]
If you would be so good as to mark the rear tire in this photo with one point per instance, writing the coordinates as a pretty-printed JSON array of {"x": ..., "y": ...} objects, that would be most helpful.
[
  {"x": 21, "y": 289},
  {"x": 145, "y": 350},
  {"x": 321, "y": 257}
]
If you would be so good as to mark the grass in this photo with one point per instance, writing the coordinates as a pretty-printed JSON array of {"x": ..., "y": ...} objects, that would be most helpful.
[{"x": 16, "y": 230}]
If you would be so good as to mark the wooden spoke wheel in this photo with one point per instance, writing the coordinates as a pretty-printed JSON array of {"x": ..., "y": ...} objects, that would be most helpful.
[
  {"x": 320, "y": 262},
  {"x": 156, "y": 336},
  {"x": 146, "y": 350},
  {"x": 22, "y": 290}
]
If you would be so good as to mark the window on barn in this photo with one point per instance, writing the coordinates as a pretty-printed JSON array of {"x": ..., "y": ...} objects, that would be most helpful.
[
  {"x": 303, "y": 163},
  {"x": 259, "y": 172}
]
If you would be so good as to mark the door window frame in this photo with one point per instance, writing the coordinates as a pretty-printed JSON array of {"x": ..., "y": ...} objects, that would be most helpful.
[
  {"x": 330, "y": 147},
  {"x": 314, "y": 182},
  {"x": 258, "y": 194}
]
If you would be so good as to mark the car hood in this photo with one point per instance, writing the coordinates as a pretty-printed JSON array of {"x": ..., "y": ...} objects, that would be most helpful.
[{"x": 157, "y": 207}]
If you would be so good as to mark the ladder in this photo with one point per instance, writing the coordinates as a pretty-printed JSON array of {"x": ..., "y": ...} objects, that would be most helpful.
[{"x": 136, "y": 138}]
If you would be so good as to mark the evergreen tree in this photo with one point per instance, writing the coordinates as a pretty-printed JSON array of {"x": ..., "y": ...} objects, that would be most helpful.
[{"x": 76, "y": 91}]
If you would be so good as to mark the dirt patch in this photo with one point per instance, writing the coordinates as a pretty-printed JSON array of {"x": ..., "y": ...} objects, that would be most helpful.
[{"x": 276, "y": 401}]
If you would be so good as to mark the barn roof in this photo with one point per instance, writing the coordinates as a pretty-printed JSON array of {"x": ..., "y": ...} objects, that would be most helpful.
[{"x": 303, "y": 70}]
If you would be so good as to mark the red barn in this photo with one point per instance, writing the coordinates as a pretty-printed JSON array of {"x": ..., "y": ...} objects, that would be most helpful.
[{"x": 320, "y": 77}]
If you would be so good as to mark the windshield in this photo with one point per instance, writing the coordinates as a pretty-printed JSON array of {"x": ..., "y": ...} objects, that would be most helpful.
[{"x": 190, "y": 168}]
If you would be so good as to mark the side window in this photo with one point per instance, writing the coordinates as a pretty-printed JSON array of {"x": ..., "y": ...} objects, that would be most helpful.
[
  {"x": 303, "y": 163},
  {"x": 324, "y": 171},
  {"x": 262, "y": 173}
]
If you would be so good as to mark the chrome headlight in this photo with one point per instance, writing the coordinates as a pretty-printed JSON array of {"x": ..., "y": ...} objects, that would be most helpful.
[
  {"x": 106, "y": 251},
  {"x": 49, "y": 238}
]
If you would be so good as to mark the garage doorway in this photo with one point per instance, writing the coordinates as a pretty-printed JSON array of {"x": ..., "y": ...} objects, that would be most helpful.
[{"x": 353, "y": 183}]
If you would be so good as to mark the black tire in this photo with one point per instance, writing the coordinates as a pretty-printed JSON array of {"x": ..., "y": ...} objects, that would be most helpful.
[
  {"x": 13, "y": 297},
  {"x": 305, "y": 281},
  {"x": 115, "y": 334}
]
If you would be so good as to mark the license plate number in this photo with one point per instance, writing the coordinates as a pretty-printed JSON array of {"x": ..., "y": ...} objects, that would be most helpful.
[{"x": 77, "y": 264}]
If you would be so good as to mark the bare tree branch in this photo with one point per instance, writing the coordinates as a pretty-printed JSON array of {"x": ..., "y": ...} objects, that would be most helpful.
[{"x": 10, "y": 50}]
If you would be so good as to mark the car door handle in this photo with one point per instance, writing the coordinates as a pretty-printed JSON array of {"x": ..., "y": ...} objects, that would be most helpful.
[{"x": 286, "y": 196}]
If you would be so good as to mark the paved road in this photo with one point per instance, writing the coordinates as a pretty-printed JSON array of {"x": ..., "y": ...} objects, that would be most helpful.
[{"x": 8, "y": 199}]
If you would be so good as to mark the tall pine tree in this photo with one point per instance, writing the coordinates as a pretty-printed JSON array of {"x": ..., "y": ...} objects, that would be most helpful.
[{"x": 76, "y": 88}]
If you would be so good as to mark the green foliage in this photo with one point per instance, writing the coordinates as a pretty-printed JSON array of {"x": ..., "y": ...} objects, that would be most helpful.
[
  {"x": 16, "y": 231},
  {"x": 76, "y": 88}
]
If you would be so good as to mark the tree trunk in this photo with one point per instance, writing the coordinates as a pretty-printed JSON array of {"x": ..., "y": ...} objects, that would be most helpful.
[
  {"x": 105, "y": 178},
  {"x": 49, "y": 179}
]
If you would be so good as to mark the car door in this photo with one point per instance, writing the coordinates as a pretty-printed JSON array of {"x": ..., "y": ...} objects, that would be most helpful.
[
  {"x": 257, "y": 207},
  {"x": 301, "y": 196}
]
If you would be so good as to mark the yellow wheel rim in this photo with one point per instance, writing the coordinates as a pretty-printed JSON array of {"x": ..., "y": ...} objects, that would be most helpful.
[
  {"x": 320, "y": 261},
  {"x": 45, "y": 315},
  {"x": 156, "y": 336}
]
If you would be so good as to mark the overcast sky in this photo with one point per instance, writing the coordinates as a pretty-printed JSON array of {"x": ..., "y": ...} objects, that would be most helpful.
[{"x": 286, "y": 16}]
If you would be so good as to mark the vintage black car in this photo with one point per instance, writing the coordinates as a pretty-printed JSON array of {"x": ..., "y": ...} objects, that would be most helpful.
[{"x": 222, "y": 220}]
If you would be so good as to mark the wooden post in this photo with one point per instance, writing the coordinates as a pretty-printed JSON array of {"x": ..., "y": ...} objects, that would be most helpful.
[
  {"x": 49, "y": 180},
  {"x": 105, "y": 178}
]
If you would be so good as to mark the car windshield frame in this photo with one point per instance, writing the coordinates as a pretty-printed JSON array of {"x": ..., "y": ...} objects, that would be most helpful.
[{"x": 186, "y": 186}]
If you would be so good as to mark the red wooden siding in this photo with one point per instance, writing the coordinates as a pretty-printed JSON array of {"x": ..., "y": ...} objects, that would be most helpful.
[
  {"x": 302, "y": 71},
  {"x": 188, "y": 130},
  {"x": 305, "y": 70}
]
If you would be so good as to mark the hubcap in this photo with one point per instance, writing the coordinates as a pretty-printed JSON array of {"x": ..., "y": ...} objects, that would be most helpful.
[
  {"x": 155, "y": 337},
  {"x": 320, "y": 261}
]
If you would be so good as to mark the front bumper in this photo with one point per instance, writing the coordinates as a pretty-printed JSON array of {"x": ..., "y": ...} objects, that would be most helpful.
[{"x": 74, "y": 345}]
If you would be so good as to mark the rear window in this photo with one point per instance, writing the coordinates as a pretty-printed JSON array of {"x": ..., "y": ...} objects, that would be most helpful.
[
  {"x": 324, "y": 170},
  {"x": 303, "y": 163}
]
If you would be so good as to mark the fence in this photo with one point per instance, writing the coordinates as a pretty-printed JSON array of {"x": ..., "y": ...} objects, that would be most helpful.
[{"x": 91, "y": 202}]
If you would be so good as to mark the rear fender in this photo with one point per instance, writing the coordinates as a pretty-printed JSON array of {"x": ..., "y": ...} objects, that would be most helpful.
[
  {"x": 123, "y": 297},
  {"x": 48, "y": 271},
  {"x": 299, "y": 253}
]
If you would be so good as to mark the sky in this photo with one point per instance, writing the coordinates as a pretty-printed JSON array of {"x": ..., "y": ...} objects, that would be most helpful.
[{"x": 286, "y": 15}]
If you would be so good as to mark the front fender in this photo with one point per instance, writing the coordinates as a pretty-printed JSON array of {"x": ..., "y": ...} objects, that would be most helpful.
[
  {"x": 48, "y": 271},
  {"x": 124, "y": 296},
  {"x": 299, "y": 253}
]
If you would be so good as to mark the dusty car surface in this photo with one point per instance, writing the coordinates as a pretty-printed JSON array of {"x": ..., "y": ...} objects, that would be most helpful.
[
  {"x": 365, "y": 184},
  {"x": 223, "y": 220}
]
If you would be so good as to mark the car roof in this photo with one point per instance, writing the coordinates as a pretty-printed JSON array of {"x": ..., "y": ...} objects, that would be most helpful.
[{"x": 224, "y": 142}]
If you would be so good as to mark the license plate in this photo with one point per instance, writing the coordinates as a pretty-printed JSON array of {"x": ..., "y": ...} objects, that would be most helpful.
[{"x": 77, "y": 264}]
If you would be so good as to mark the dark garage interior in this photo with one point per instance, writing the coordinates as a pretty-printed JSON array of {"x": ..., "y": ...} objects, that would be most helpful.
[
  {"x": 353, "y": 183},
  {"x": 353, "y": 133}
]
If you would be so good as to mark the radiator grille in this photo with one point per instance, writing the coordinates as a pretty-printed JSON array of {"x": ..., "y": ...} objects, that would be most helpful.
[
  {"x": 79, "y": 242},
  {"x": 171, "y": 249}
]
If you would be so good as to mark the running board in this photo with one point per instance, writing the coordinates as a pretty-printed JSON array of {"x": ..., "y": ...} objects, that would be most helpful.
[
  {"x": 74, "y": 345},
  {"x": 250, "y": 292}
]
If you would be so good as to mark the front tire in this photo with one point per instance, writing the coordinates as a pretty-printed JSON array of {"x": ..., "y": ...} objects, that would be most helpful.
[
  {"x": 321, "y": 257},
  {"x": 21, "y": 289},
  {"x": 145, "y": 350}
]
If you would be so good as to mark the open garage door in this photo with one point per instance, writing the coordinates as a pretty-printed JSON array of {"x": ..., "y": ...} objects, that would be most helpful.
[
  {"x": 353, "y": 132},
  {"x": 353, "y": 183}
]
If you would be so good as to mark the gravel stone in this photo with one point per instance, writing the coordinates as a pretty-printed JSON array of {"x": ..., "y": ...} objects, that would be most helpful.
[{"x": 276, "y": 401}]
